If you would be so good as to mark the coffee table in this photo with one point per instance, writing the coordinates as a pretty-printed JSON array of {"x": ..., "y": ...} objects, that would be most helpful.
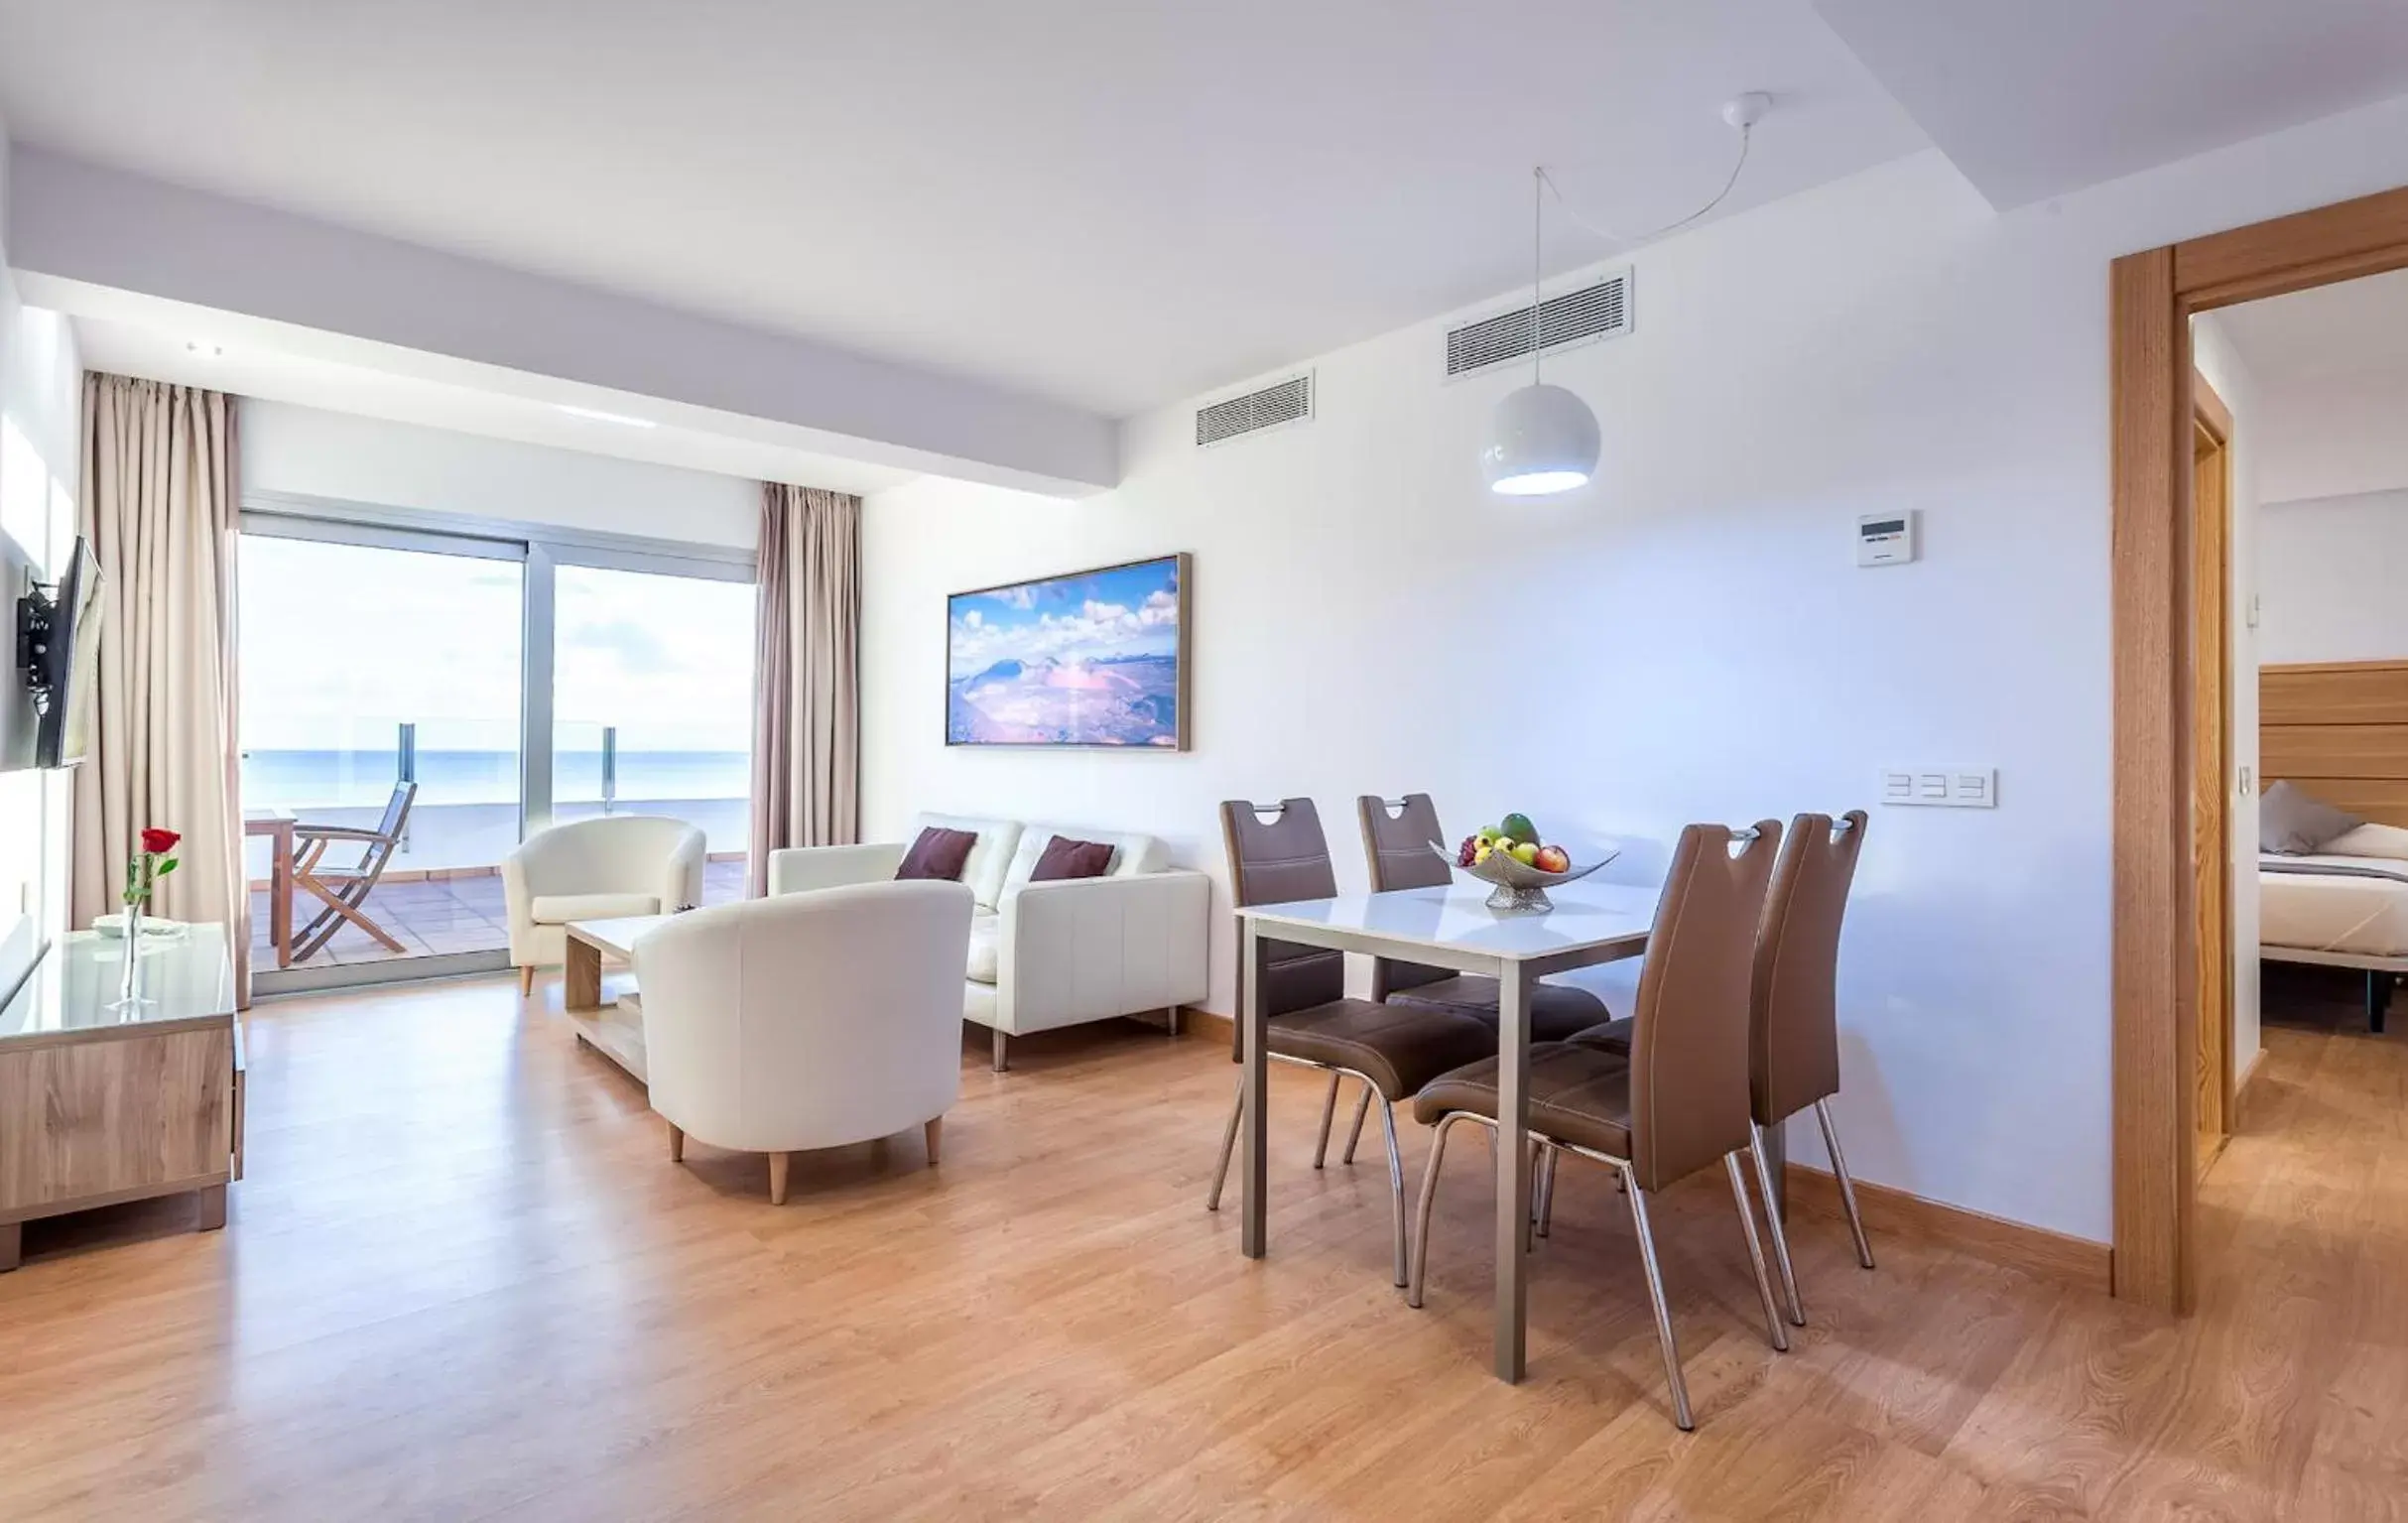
[{"x": 614, "y": 1029}]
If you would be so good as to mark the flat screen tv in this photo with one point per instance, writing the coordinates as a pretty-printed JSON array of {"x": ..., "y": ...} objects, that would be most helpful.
[
  {"x": 1095, "y": 658},
  {"x": 60, "y": 645}
]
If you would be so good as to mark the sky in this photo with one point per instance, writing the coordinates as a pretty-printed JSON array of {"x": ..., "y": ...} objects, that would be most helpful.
[
  {"x": 341, "y": 642},
  {"x": 1125, "y": 611}
]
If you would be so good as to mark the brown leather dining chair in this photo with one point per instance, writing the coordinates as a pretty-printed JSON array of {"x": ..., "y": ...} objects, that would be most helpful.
[
  {"x": 1679, "y": 1100},
  {"x": 1793, "y": 1038},
  {"x": 1278, "y": 854}
]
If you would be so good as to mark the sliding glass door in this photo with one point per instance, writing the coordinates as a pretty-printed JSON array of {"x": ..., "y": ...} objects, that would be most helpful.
[
  {"x": 381, "y": 702},
  {"x": 652, "y": 704},
  {"x": 415, "y": 700}
]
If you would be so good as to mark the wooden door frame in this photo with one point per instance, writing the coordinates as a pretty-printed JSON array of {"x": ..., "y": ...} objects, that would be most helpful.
[
  {"x": 2212, "y": 755},
  {"x": 2152, "y": 297}
]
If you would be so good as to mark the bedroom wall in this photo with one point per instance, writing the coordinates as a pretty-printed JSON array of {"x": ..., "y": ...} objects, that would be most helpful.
[
  {"x": 2336, "y": 435},
  {"x": 1688, "y": 638},
  {"x": 2330, "y": 582},
  {"x": 2216, "y": 357}
]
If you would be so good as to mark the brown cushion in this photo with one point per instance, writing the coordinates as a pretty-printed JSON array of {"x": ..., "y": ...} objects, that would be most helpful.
[
  {"x": 1397, "y": 1046},
  {"x": 1610, "y": 1035},
  {"x": 1578, "y": 1095},
  {"x": 938, "y": 853},
  {"x": 1557, "y": 1010},
  {"x": 1063, "y": 857}
]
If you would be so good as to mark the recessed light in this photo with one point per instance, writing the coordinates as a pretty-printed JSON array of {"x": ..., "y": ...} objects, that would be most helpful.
[
  {"x": 598, "y": 415},
  {"x": 204, "y": 350}
]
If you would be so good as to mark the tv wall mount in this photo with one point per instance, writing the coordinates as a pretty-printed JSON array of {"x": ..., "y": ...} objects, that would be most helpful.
[{"x": 37, "y": 617}]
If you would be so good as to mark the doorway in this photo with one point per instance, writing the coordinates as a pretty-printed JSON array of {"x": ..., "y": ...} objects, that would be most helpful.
[{"x": 2159, "y": 986}]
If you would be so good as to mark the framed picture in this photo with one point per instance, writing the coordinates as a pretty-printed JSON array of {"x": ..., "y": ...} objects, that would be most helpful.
[{"x": 1095, "y": 658}]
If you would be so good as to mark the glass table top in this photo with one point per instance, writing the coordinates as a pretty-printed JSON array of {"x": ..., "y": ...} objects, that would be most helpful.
[{"x": 79, "y": 984}]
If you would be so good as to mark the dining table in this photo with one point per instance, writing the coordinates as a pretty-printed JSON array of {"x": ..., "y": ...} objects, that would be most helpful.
[
  {"x": 1453, "y": 928},
  {"x": 277, "y": 826}
]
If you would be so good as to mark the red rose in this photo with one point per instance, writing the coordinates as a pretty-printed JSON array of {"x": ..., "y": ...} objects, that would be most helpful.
[{"x": 159, "y": 842}]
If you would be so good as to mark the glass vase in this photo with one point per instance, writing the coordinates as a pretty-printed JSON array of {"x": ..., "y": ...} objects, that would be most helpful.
[{"x": 129, "y": 978}]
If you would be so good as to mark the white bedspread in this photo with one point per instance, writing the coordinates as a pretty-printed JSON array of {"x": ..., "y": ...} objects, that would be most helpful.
[{"x": 2364, "y": 915}]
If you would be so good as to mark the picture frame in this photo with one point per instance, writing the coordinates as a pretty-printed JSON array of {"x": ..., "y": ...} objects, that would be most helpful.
[{"x": 1097, "y": 659}]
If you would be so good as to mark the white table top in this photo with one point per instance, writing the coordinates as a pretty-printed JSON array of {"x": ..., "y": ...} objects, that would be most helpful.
[
  {"x": 77, "y": 986},
  {"x": 1586, "y": 917},
  {"x": 618, "y": 935}
]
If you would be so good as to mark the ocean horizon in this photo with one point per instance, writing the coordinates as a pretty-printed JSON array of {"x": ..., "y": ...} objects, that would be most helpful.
[{"x": 338, "y": 779}]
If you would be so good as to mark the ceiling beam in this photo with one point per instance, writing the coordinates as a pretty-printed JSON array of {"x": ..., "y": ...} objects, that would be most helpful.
[{"x": 78, "y": 227}]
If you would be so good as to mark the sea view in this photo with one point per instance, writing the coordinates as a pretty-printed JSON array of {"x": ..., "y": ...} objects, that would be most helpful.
[{"x": 364, "y": 779}]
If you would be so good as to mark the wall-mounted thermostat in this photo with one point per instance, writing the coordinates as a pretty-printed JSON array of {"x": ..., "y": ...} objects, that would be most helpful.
[{"x": 1885, "y": 539}]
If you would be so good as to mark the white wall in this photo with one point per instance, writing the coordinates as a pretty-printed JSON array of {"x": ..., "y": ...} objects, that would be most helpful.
[
  {"x": 2337, "y": 436},
  {"x": 303, "y": 450},
  {"x": 1689, "y": 638},
  {"x": 2213, "y": 355},
  {"x": 40, "y": 390},
  {"x": 2333, "y": 578}
]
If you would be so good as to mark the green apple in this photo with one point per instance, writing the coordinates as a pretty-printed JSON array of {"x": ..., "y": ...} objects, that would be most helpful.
[{"x": 1526, "y": 852}]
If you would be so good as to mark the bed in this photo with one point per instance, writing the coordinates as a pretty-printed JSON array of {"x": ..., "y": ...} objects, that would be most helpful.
[{"x": 2339, "y": 732}]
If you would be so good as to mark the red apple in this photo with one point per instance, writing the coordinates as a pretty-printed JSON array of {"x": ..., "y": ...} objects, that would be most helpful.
[{"x": 1553, "y": 859}]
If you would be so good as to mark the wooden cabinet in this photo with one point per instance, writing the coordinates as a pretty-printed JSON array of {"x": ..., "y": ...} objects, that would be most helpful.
[{"x": 103, "y": 1099}]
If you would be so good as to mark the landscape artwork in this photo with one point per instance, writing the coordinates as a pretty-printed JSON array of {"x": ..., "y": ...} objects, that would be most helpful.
[{"x": 1090, "y": 659}]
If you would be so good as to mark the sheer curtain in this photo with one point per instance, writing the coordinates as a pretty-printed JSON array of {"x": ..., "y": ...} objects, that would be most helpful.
[
  {"x": 807, "y": 713},
  {"x": 161, "y": 510}
]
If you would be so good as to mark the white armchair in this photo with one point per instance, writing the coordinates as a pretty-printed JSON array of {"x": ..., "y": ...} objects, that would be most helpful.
[
  {"x": 1044, "y": 954},
  {"x": 808, "y": 1021},
  {"x": 595, "y": 869}
]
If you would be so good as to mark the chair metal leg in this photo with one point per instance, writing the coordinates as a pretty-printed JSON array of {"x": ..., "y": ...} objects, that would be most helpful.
[
  {"x": 1421, "y": 1235},
  {"x": 1772, "y": 1219},
  {"x": 1003, "y": 1061},
  {"x": 1773, "y": 1331},
  {"x": 1396, "y": 1185},
  {"x": 1847, "y": 1185},
  {"x": 1362, "y": 1108},
  {"x": 1228, "y": 1145},
  {"x": 1170, "y": 1019},
  {"x": 1328, "y": 1114},
  {"x": 1547, "y": 1165},
  {"x": 1655, "y": 1295}
]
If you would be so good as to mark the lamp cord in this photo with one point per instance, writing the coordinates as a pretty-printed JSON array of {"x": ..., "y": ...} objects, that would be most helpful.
[
  {"x": 1538, "y": 263},
  {"x": 1547, "y": 179}
]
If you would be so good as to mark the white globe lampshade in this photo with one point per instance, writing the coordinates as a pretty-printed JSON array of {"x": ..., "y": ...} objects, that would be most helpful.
[{"x": 1543, "y": 439}]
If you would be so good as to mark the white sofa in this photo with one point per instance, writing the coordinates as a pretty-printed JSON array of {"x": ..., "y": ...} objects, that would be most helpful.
[
  {"x": 780, "y": 1025},
  {"x": 595, "y": 869},
  {"x": 1054, "y": 954}
]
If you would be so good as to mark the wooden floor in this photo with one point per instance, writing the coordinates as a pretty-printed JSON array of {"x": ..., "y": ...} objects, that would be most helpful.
[{"x": 463, "y": 1280}]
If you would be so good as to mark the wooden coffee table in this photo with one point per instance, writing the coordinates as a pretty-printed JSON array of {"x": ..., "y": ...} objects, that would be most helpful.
[{"x": 614, "y": 1029}]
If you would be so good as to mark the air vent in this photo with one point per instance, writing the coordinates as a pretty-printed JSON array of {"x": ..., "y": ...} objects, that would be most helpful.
[
  {"x": 1291, "y": 401},
  {"x": 1599, "y": 311}
]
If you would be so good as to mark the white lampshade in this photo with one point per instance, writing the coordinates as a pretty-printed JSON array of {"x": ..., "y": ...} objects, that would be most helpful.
[{"x": 1543, "y": 440}]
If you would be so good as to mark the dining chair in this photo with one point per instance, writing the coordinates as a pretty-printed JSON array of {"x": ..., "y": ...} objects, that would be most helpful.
[
  {"x": 1793, "y": 1037},
  {"x": 1277, "y": 853},
  {"x": 1679, "y": 1100},
  {"x": 343, "y": 890}
]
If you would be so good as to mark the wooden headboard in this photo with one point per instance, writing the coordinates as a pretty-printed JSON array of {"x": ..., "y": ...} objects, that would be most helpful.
[{"x": 2340, "y": 730}]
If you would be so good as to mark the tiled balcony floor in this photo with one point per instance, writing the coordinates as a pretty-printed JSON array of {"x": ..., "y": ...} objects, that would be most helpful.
[{"x": 433, "y": 916}]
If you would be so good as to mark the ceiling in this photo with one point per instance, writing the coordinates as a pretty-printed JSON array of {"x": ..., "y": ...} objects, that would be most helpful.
[
  {"x": 255, "y": 359},
  {"x": 2040, "y": 97},
  {"x": 2357, "y": 330},
  {"x": 1111, "y": 206}
]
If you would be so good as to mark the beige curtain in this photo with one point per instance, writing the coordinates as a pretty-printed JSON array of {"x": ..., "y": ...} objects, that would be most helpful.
[
  {"x": 807, "y": 710},
  {"x": 161, "y": 511}
]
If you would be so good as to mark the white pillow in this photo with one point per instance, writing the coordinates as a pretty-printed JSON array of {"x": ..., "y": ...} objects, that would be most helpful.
[{"x": 2369, "y": 840}]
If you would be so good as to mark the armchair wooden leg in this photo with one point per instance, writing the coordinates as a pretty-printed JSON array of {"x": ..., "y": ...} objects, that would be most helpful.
[
  {"x": 936, "y": 1138},
  {"x": 676, "y": 1143},
  {"x": 776, "y": 1177},
  {"x": 526, "y": 980},
  {"x": 1003, "y": 1058}
]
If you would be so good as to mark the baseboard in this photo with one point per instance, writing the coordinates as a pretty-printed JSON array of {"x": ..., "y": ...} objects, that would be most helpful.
[
  {"x": 2075, "y": 1261},
  {"x": 2241, "y": 1080}
]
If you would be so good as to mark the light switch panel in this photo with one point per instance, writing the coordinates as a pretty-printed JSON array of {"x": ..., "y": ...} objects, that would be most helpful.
[{"x": 1941, "y": 787}]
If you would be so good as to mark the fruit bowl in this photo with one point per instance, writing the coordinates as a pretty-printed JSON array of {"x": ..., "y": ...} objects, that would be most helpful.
[{"x": 1520, "y": 887}]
